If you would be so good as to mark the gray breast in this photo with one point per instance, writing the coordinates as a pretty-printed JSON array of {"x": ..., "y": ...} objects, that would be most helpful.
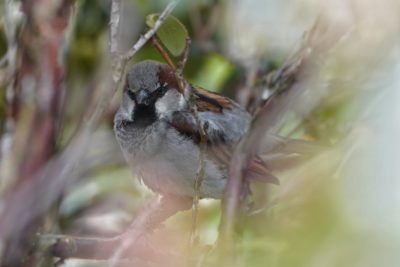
[{"x": 167, "y": 162}]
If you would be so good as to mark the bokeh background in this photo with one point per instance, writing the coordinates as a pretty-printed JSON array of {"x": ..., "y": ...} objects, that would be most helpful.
[{"x": 339, "y": 208}]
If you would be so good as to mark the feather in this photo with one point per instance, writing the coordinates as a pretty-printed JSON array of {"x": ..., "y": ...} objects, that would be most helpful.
[
  {"x": 256, "y": 171},
  {"x": 209, "y": 101},
  {"x": 227, "y": 124}
]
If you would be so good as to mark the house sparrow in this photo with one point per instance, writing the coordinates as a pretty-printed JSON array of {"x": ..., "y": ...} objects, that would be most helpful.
[{"x": 160, "y": 139}]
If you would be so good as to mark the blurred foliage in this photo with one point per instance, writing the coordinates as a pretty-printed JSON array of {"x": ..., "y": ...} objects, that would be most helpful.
[
  {"x": 301, "y": 223},
  {"x": 85, "y": 48}
]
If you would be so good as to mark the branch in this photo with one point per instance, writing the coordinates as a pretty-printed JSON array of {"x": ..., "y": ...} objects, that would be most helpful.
[
  {"x": 163, "y": 53},
  {"x": 10, "y": 59},
  {"x": 199, "y": 174},
  {"x": 152, "y": 31},
  {"x": 182, "y": 63},
  {"x": 273, "y": 110},
  {"x": 186, "y": 91},
  {"x": 246, "y": 93},
  {"x": 64, "y": 247},
  {"x": 285, "y": 98},
  {"x": 114, "y": 23},
  {"x": 202, "y": 31},
  {"x": 124, "y": 246},
  {"x": 119, "y": 62}
]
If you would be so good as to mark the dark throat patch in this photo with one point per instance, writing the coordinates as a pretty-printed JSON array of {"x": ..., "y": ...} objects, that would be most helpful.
[{"x": 144, "y": 115}]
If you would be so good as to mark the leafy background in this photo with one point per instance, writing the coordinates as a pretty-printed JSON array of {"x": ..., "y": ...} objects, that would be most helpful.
[{"x": 340, "y": 208}]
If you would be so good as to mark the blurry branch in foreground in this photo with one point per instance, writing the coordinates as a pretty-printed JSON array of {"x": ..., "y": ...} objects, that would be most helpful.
[
  {"x": 34, "y": 121},
  {"x": 43, "y": 176},
  {"x": 9, "y": 59},
  {"x": 282, "y": 84},
  {"x": 131, "y": 245}
]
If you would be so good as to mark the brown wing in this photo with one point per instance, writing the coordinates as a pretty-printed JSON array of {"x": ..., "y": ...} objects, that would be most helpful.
[
  {"x": 209, "y": 101},
  {"x": 185, "y": 124},
  {"x": 218, "y": 148}
]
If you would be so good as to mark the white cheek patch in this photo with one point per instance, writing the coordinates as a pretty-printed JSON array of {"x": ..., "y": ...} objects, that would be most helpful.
[
  {"x": 162, "y": 106},
  {"x": 127, "y": 108},
  {"x": 170, "y": 102},
  {"x": 182, "y": 102}
]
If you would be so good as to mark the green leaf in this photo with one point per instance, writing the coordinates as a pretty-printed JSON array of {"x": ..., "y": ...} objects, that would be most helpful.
[{"x": 172, "y": 33}]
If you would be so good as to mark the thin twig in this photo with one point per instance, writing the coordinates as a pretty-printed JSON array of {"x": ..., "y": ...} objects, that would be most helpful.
[
  {"x": 162, "y": 52},
  {"x": 179, "y": 71},
  {"x": 214, "y": 20},
  {"x": 182, "y": 63},
  {"x": 196, "y": 21},
  {"x": 187, "y": 92},
  {"x": 265, "y": 119},
  {"x": 199, "y": 177},
  {"x": 114, "y": 25},
  {"x": 203, "y": 32},
  {"x": 119, "y": 62},
  {"x": 246, "y": 93},
  {"x": 150, "y": 33},
  {"x": 269, "y": 117}
]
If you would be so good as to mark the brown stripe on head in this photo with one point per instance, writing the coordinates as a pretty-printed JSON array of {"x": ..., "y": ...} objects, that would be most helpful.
[
  {"x": 204, "y": 99},
  {"x": 167, "y": 77}
]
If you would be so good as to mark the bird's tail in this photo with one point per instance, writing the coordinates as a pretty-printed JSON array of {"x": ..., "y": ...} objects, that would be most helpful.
[{"x": 285, "y": 153}]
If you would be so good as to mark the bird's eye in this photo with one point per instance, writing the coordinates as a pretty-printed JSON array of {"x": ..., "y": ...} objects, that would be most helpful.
[
  {"x": 131, "y": 95},
  {"x": 161, "y": 90}
]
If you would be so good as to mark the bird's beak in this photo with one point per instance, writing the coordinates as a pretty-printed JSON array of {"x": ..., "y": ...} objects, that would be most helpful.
[{"x": 143, "y": 97}]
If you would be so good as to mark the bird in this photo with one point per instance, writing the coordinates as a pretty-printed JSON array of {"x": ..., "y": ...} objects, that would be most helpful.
[{"x": 160, "y": 139}]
